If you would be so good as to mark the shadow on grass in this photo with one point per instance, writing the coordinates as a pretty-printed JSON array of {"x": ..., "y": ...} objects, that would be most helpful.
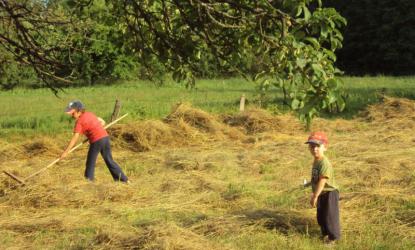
[{"x": 283, "y": 221}]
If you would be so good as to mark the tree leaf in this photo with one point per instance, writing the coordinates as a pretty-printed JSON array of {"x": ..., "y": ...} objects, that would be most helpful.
[{"x": 295, "y": 104}]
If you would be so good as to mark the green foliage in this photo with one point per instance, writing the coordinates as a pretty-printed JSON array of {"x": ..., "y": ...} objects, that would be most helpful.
[
  {"x": 305, "y": 70},
  {"x": 289, "y": 44},
  {"x": 12, "y": 73},
  {"x": 103, "y": 53}
]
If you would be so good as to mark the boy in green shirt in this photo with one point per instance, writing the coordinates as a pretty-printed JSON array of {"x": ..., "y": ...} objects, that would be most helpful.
[{"x": 325, "y": 190}]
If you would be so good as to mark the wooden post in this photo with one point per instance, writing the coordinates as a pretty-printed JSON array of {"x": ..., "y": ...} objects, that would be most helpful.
[
  {"x": 116, "y": 111},
  {"x": 242, "y": 103}
]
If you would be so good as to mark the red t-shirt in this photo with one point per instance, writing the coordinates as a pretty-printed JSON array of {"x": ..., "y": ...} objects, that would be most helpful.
[{"x": 89, "y": 125}]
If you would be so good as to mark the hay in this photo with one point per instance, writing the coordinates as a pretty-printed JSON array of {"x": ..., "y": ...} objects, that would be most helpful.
[
  {"x": 41, "y": 146},
  {"x": 194, "y": 186},
  {"x": 33, "y": 227},
  {"x": 158, "y": 236},
  {"x": 196, "y": 118},
  {"x": 195, "y": 121},
  {"x": 144, "y": 136},
  {"x": 258, "y": 120},
  {"x": 9, "y": 151},
  {"x": 283, "y": 221},
  {"x": 182, "y": 126},
  {"x": 391, "y": 110}
]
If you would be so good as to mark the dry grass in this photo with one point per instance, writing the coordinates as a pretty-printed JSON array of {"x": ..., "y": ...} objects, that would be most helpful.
[{"x": 200, "y": 181}]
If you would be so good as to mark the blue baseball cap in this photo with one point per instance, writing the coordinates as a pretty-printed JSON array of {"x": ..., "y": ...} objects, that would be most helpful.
[{"x": 76, "y": 104}]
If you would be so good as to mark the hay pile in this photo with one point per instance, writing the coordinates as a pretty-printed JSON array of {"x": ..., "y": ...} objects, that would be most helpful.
[
  {"x": 8, "y": 151},
  {"x": 158, "y": 236},
  {"x": 255, "y": 121},
  {"x": 184, "y": 125},
  {"x": 145, "y": 136},
  {"x": 195, "y": 118},
  {"x": 43, "y": 146},
  {"x": 195, "y": 121},
  {"x": 39, "y": 147},
  {"x": 396, "y": 112}
]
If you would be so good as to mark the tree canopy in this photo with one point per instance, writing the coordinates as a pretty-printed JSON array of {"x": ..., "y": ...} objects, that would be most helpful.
[{"x": 289, "y": 44}]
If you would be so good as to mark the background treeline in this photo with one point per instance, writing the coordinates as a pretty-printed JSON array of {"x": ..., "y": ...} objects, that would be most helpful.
[
  {"x": 377, "y": 40},
  {"x": 93, "y": 42},
  {"x": 88, "y": 42},
  {"x": 379, "y": 37}
]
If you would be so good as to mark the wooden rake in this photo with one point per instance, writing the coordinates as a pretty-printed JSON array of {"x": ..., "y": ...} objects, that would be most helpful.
[{"x": 22, "y": 181}]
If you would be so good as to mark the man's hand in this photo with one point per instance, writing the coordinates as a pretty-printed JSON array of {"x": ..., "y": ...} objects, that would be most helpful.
[{"x": 313, "y": 200}]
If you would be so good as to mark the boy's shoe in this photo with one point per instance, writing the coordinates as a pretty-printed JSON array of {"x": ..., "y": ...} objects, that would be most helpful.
[
  {"x": 324, "y": 238},
  {"x": 330, "y": 243}
]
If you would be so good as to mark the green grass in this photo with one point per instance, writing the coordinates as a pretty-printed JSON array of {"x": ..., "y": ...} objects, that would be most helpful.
[
  {"x": 362, "y": 91},
  {"x": 26, "y": 111}
]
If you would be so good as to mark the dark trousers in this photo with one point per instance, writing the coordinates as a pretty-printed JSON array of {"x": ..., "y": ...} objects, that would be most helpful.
[
  {"x": 328, "y": 214},
  {"x": 103, "y": 146}
]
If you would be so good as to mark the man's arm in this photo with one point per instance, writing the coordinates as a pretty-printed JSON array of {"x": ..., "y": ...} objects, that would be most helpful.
[
  {"x": 319, "y": 188},
  {"x": 74, "y": 139}
]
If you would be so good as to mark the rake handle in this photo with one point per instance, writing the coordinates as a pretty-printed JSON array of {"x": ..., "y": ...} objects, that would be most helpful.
[{"x": 72, "y": 149}]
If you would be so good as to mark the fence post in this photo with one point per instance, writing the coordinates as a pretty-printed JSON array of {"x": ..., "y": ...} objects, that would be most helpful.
[
  {"x": 242, "y": 103},
  {"x": 116, "y": 111}
]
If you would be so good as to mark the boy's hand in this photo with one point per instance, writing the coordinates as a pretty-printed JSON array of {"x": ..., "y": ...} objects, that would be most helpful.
[
  {"x": 63, "y": 155},
  {"x": 313, "y": 200}
]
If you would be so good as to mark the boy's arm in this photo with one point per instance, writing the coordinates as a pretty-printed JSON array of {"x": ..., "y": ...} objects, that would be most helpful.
[
  {"x": 319, "y": 188},
  {"x": 74, "y": 139}
]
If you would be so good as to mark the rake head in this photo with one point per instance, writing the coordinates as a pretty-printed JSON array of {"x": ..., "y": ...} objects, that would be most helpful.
[{"x": 14, "y": 177}]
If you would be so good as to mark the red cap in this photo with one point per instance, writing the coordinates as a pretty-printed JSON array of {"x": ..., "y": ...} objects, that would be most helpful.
[{"x": 318, "y": 138}]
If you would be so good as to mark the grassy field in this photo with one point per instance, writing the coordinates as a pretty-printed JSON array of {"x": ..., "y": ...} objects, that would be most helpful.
[
  {"x": 28, "y": 111},
  {"x": 42, "y": 111},
  {"x": 201, "y": 180}
]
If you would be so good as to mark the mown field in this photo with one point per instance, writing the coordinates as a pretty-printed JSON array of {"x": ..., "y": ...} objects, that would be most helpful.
[{"x": 204, "y": 176}]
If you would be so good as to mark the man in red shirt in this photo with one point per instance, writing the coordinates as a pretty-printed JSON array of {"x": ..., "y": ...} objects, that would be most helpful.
[{"x": 89, "y": 125}]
